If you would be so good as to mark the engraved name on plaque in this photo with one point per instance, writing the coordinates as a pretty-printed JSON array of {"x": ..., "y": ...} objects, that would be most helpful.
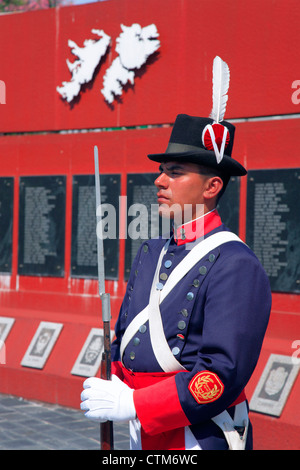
[
  {"x": 273, "y": 225},
  {"x": 6, "y": 223},
  {"x": 42, "y": 225},
  {"x": 84, "y": 239},
  {"x": 142, "y": 214}
]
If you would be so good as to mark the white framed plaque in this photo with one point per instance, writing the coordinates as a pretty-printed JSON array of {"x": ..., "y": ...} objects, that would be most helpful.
[
  {"x": 89, "y": 358},
  {"x": 275, "y": 385},
  {"x": 6, "y": 324},
  {"x": 41, "y": 344}
]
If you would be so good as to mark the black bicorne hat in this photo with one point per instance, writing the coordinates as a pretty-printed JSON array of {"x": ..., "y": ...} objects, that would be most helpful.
[{"x": 202, "y": 141}]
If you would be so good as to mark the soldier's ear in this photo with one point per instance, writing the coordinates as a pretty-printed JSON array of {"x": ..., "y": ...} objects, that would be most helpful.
[{"x": 213, "y": 186}]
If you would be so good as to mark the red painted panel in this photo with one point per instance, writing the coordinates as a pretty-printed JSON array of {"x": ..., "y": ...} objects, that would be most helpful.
[{"x": 250, "y": 35}]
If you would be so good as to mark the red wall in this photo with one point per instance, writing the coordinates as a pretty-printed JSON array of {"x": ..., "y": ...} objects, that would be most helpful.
[
  {"x": 259, "y": 42},
  {"x": 258, "y": 39}
]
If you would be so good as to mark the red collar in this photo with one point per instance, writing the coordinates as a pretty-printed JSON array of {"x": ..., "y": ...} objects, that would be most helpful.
[{"x": 197, "y": 228}]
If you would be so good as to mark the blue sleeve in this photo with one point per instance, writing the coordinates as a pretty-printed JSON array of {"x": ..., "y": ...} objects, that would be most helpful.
[{"x": 236, "y": 314}]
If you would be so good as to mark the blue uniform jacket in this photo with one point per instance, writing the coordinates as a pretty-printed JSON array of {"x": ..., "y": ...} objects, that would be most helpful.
[{"x": 214, "y": 320}]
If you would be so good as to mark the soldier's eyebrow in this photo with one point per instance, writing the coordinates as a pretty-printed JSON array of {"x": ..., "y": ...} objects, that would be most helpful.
[{"x": 171, "y": 167}]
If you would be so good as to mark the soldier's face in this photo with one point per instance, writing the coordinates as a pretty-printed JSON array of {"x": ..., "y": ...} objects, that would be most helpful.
[{"x": 179, "y": 185}]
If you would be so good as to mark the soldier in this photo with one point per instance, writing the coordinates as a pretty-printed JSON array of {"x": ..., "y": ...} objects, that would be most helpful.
[{"x": 195, "y": 312}]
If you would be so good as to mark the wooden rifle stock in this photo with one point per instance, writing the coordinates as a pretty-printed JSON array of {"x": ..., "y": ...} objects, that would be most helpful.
[{"x": 106, "y": 429}]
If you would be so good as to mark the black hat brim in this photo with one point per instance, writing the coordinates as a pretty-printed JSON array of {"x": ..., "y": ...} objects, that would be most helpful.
[{"x": 206, "y": 158}]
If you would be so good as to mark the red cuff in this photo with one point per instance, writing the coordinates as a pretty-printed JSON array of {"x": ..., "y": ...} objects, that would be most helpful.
[{"x": 158, "y": 407}]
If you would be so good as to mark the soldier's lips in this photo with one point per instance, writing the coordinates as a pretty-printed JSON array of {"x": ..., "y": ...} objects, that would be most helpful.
[{"x": 161, "y": 199}]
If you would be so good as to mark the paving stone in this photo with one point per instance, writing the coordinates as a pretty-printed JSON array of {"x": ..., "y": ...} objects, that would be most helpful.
[{"x": 27, "y": 425}]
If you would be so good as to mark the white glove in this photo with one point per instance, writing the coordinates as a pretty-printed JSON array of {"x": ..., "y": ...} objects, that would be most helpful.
[{"x": 107, "y": 400}]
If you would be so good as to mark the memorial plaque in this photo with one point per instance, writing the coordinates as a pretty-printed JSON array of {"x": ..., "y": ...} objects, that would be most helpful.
[
  {"x": 142, "y": 214},
  {"x": 275, "y": 385},
  {"x": 6, "y": 324},
  {"x": 84, "y": 238},
  {"x": 6, "y": 223},
  {"x": 273, "y": 225},
  {"x": 89, "y": 359},
  {"x": 229, "y": 205},
  {"x": 42, "y": 225},
  {"x": 41, "y": 345}
]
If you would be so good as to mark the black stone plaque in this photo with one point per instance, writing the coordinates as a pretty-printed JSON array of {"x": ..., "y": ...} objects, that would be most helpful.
[
  {"x": 142, "y": 214},
  {"x": 273, "y": 225},
  {"x": 42, "y": 225},
  {"x": 84, "y": 224},
  {"x": 229, "y": 204},
  {"x": 6, "y": 223}
]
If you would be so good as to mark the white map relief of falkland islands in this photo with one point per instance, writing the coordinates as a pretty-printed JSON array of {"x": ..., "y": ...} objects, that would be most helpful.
[{"x": 134, "y": 45}]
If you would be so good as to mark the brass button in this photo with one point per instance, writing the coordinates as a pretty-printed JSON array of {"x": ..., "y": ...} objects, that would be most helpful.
[
  {"x": 175, "y": 351},
  {"x": 163, "y": 276},
  {"x": 211, "y": 258},
  {"x": 181, "y": 325},
  {"x": 196, "y": 283},
  {"x": 184, "y": 312},
  {"x": 159, "y": 286},
  {"x": 145, "y": 248},
  {"x": 142, "y": 329},
  {"x": 132, "y": 355},
  {"x": 136, "y": 341},
  {"x": 202, "y": 270},
  {"x": 190, "y": 296},
  {"x": 168, "y": 263}
]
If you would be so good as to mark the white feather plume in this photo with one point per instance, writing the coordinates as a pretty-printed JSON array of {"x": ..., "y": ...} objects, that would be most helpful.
[{"x": 221, "y": 77}]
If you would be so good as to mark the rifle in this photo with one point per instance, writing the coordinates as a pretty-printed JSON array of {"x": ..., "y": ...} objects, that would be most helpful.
[{"x": 106, "y": 429}]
